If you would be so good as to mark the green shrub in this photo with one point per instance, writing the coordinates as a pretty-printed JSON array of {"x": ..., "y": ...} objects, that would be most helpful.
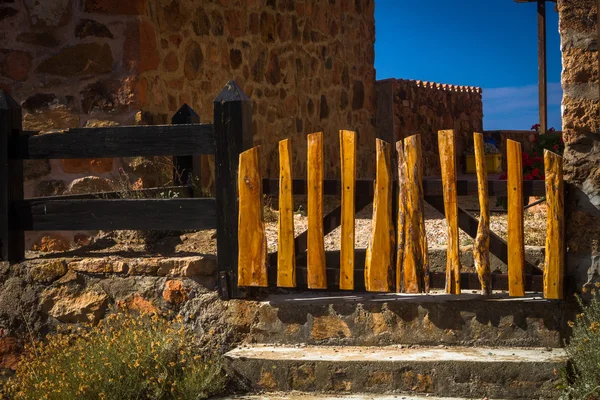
[
  {"x": 581, "y": 380},
  {"x": 124, "y": 357}
]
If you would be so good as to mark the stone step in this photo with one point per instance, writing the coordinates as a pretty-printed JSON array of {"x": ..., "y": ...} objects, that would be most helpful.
[
  {"x": 469, "y": 372},
  {"x": 317, "y": 396},
  {"x": 386, "y": 319}
]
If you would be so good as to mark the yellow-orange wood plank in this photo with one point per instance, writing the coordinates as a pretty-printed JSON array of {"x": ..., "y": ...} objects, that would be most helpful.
[
  {"x": 554, "y": 265},
  {"x": 415, "y": 268},
  {"x": 378, "y": 261},
  {"x": 446, "y": 144},
  {"x": 286, "y": 255},
  {"x": 516, "y": 246},
  {"x": 401, "y": 214},
  {"x": 252, "y": 242},
  {"x": 317, "y": 278},
  {"x": 481, "y": 247},
  {"x": 348, "y": 161}
]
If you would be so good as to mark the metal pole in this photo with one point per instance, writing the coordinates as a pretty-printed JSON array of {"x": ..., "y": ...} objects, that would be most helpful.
[{"x": 543, "y": 90}]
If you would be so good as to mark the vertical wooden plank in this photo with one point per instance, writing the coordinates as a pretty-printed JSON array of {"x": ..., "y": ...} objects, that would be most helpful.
[
  {"x": 252, "y": 242},
  {"x": 348, "y": 164},
  {"x": 516, "y": 244},
  {"x": 481, "y": 247},
  {"x": 378, "y": 262},
  {"x": 12, "y": 239},
  {"x": 186, "y": 167},
  {"x": 446, "y": 144},
  {"x": 554, "y": 268},
  {"x": 286, "y": 255},
  {"x": 401, "y": 213},
  {"x": 415, "y": 269},
  {"x": 317, "y": 277},
  {"x": 233, "y": 122}
]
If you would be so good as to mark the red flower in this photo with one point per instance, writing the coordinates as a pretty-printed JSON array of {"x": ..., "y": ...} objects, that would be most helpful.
[
  {"x": 555, "y": 147},
  {"x": 535, "y": 173},
  {"x": 535, "y": 127},
  {"x": 528, "y": 177}
]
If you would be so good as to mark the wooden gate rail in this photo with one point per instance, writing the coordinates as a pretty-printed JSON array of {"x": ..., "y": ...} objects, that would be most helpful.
[
  {"x": 468, "y": 223},
  {"x": 117, "y": 214},
  {"x": 432, "y": 188},
  {"x": 469, "y": 281}
]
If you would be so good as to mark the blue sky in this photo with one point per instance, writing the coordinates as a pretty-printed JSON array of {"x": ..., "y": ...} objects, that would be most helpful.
[{"x": 486, "y": 43}]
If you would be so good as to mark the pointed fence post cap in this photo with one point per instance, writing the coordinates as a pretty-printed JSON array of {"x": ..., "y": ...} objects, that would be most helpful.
[
  {"x": 231, "y": 92},
  {"x": 7, "y": 102},
  {"x": 185, "y": 114}
]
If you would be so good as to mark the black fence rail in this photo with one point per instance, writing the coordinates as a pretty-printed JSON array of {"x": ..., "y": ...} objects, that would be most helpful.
[{"x": 184, "y": 139}]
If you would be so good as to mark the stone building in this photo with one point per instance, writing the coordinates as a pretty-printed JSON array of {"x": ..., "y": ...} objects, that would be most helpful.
[
  {"x": 306, "y": 65},
  {"x": 578, "y": 26}
]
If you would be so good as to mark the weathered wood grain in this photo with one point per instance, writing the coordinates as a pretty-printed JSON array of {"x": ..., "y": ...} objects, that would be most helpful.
[
  {"x": 348, "y": 167},
  {"x": 481, "y": 246},
  {"x": 415, "y": 269},
  {"x": 401, "y": 232},
  {"x": 44, "y": 214},
  {"x": 446, "y": 144},
  {"x": 516, "y": 243},
  {"x": 554, "y": 264},
  {"x": 252, "y": 242},
  {"x": 317, "y": 278},
  {"x": 119, "y": 141},
  {"x": 286, "y": 256},
  {"x": 378, "y": 264}
]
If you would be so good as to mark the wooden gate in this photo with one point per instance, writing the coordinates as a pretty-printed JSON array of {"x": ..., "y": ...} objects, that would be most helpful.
[{"x": 396, "y": 257}]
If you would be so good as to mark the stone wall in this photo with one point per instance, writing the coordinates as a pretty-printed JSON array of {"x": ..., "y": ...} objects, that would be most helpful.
[
  {"x": 306, "y": 65},
  {"x": 578, "y": 25},
  {"x": 425, "y": 108}
]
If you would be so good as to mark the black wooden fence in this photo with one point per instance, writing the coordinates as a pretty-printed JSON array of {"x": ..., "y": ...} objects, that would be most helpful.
[{"x": 226, "y": 138}]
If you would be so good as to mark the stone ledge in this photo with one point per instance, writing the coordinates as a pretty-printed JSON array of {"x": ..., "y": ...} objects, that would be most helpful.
[
  {"x": 386, "y": 319},
  {"x": 459, "y": 371},
  {"x": 186, "y": 266}
]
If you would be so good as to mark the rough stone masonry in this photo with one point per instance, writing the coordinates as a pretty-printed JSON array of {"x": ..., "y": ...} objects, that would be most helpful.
[
  {"x": 578, "y": 26},
  {"x": 307, "y": 66}
]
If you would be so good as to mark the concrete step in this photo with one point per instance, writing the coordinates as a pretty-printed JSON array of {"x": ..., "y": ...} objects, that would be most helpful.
[
  {"x": 469, "y": 372},
  {"x": 386, "y": 319},
  {"x": 316, "y": 396}
]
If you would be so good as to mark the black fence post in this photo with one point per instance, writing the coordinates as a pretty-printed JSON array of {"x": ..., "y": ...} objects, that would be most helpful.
[
  {"x": 185, "y": 166},
  {"x": 12, "y": 239},
  {"x": 233, "y": 135}
]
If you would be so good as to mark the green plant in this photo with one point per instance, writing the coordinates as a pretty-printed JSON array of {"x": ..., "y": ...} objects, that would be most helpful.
[
  {"x": 126, "y": 356},
  {"x": 581, "y": 380}
]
